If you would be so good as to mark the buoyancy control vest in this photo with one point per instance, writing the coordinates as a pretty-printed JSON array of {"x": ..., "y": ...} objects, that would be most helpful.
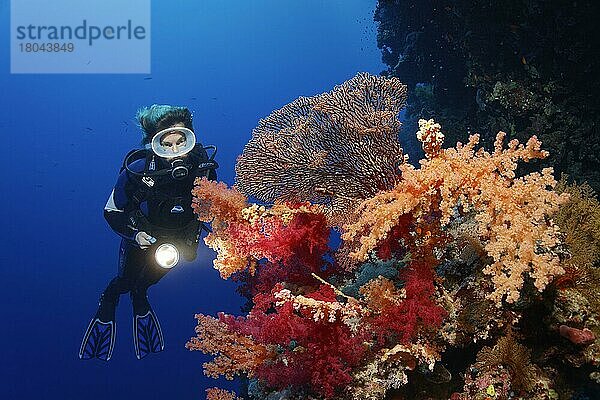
[{"x": 161, "y": 193}]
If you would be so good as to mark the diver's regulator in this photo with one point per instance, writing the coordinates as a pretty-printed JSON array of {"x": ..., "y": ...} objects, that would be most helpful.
[{"x": 179, "y": 168}]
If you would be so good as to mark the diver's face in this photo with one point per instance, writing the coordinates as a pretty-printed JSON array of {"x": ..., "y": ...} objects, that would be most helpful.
[{"x": 173, "y": 141}]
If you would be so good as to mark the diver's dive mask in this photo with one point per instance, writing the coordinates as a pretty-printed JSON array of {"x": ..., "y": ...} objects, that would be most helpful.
[{"x": 172, "y": 144}]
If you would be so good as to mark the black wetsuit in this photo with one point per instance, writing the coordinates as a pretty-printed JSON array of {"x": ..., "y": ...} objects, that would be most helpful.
[{"x": 163, "y": 210}]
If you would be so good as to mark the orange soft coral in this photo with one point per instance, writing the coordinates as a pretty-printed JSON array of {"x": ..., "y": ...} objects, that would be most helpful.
[
  {"x": 220, "y": 394},
  {"x": 513, "y": 214},
  {"x": 380, "y": 293},
  {"x": 215, "y": 202},
  {"x": 235, "y": 353}
]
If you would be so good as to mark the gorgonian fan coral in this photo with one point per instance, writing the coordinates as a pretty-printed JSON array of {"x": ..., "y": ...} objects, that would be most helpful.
[
  {"x": 335, "y": 148},
  {"x": 416, "y": 287}
]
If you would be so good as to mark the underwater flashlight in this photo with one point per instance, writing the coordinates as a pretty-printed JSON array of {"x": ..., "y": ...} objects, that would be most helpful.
[{"x": 166, "y": 255}]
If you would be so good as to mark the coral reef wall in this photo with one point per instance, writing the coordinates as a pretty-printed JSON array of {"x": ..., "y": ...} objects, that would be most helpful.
[
  {"x": 522, "y": 66},
  {"x": 463, "y": 278}
]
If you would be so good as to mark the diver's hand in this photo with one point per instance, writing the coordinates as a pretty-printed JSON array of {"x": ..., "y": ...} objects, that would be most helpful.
[{"x": 144, "y": 240}]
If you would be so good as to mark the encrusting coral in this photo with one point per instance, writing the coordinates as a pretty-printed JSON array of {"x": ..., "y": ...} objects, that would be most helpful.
[{"x": 436, "y": 263}]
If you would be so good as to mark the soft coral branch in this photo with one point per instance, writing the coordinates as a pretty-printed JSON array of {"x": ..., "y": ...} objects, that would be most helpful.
[
  {"x": 513, "y": 214},
  {"x": 235, "y": 354},
  {"x": 293, "y": 234},
  {"x": 315, "y": 344}
]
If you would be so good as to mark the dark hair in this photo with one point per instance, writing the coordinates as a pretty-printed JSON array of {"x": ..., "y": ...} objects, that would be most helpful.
[{"x": 157, "y": 117}]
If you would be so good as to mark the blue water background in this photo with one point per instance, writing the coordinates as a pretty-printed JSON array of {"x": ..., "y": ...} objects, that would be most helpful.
[{"x": 63, "y": 139}]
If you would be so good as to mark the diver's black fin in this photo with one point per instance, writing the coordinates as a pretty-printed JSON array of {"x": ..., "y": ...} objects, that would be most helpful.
[
  {"x": 147, "y": 335},
  {"x": 99, "y": 340}
]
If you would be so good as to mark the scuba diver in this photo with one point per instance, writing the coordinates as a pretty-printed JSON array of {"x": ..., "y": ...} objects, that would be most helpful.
[{"x": 150, "y": 208}]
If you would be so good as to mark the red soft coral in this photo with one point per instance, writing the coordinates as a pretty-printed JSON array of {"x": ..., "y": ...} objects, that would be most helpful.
[
  {"x": 303, "y": 241},
  {"x": 289, "y": 253},
  {"x": 398, "y": 318},
  {"x": 395, "y": 241},
  {"x": 317, "y": 353}
]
